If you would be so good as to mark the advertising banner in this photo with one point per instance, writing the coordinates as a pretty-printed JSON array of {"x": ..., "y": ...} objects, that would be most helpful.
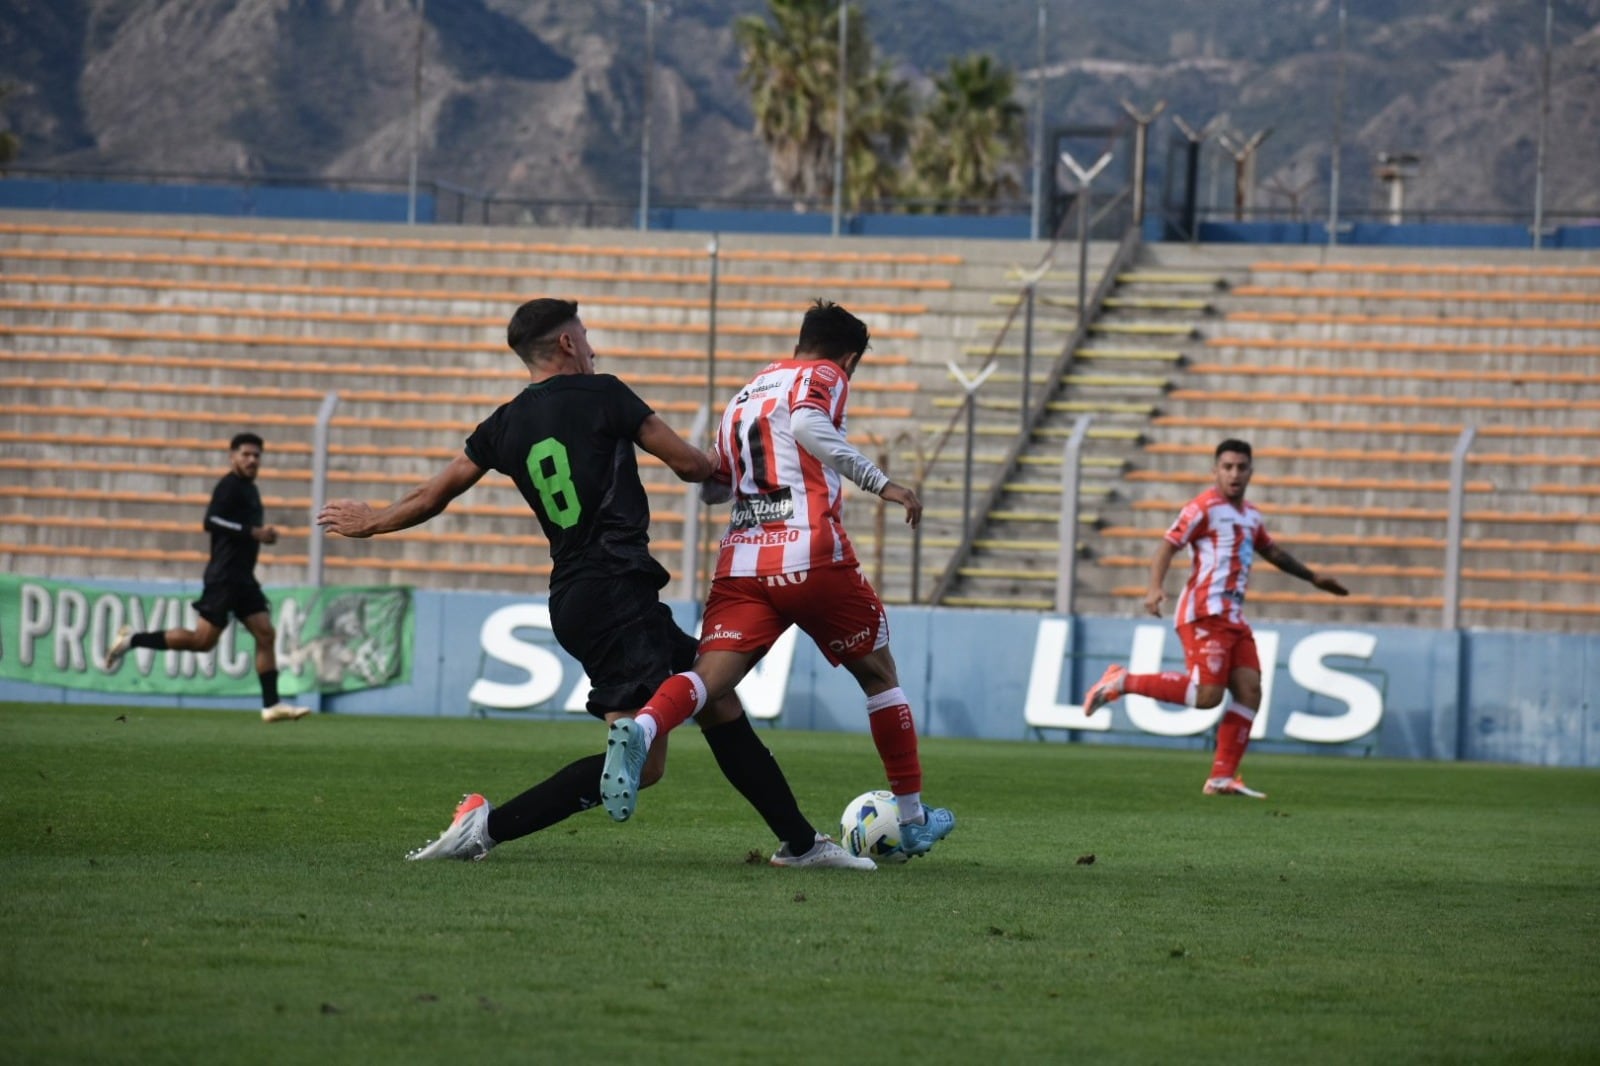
[
  {"x": 1353, "y": 690},
  {"x": 334, "y": 639}
]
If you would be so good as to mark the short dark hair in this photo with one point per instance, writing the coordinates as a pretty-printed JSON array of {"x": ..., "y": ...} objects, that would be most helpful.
[
  {"x": 1232, "y": 444},
  {"x": 241, "y": 439},
  {"x": 831, "y": 332},
  {"x": 534, "y": 322}
]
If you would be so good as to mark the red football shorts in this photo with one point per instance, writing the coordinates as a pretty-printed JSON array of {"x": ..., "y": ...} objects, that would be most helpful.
[
  {"x": 835, "y": 606},
  {"x": 1214, "y": 649}
]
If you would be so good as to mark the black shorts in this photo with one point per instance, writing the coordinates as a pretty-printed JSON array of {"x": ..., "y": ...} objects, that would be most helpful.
[
  {"x": 624, "y": 636},
  {"x": 241, "y": 597}
]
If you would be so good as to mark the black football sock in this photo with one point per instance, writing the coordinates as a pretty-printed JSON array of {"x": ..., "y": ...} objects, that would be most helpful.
[
  {"x": 750, "y": 768},
  {"x": 269, "y": 688},
  {"x": 573, "y": 788},
  {"x": 156, "y": 639}
]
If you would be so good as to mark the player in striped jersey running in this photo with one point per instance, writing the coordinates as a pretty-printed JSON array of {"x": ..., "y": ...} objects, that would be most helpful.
[
  {"x": 786, "y": 560},
  {"x": 1223, "y": 534}
]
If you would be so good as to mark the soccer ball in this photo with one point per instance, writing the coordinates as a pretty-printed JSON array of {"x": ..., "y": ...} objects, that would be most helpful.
[{"x": 870, "y": 826}]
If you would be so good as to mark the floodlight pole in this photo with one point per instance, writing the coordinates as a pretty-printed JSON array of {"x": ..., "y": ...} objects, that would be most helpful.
[
  {"x": 644, "y": 135},
  {"x": 1544, "y": 127},
  {"x": 838, "y": 128},
  {"x": 416, "y": 120},
  {"x": 1338, "y": 136},
  {"x": 1038, "y": 133}
]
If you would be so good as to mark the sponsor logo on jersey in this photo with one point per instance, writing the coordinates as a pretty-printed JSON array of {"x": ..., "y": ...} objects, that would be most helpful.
[
  {"x": 719, "y": 633},
  {"x": 775, "y": 506}
]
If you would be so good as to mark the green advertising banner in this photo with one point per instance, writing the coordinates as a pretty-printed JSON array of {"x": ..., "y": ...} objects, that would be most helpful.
[{"x": 334, "y": 639}]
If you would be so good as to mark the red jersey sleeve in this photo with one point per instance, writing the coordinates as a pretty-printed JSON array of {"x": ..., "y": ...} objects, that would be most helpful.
[
  {"x": 1262, "y": 539},
  {"x": 1190, "y": 524},
  {"x": 822, "y": 386}
]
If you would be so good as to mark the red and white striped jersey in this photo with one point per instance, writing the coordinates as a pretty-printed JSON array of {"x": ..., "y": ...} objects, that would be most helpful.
[
  {"x": 785, "y": 501},
  {"x": 1223, "y": 540}
]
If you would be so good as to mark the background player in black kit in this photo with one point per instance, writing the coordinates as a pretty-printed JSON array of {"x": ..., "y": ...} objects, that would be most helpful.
[
  {"x": 237, "y": 524},
  {"x": 567, "y": 441}
]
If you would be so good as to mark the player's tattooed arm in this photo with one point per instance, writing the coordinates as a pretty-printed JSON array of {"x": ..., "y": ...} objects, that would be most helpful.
[{"x": 1295, "y": 568}]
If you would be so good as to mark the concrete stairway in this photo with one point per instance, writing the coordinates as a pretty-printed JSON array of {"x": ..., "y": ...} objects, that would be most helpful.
[
  {"x": 1353, "y": 376},
  {"x": 1116, "y": 381}
]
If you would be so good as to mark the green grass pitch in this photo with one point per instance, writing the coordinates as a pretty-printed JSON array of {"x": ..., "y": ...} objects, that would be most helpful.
[{"x": 195, "y": 886}]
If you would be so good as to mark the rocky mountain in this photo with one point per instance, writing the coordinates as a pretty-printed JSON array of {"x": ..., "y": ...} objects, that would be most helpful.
[{"x": 543, "y": 99}]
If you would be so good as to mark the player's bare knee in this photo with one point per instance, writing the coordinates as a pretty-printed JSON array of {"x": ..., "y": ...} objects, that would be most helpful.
[
  {"x": 1208, "y": 695},
  {"x": 874, "y": 672},
  {"x": 1248, "y": 694}
]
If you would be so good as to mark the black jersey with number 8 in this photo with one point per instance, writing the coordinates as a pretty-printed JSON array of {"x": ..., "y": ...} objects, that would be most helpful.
[{"x": 568, "y": 443}]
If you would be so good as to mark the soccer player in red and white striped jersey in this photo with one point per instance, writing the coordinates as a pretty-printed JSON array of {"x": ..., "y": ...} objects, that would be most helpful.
[
  {"x": 1224, "y": 534},
  {"x": 787, "y": 499},
  {"x": 786, "y": 560}
]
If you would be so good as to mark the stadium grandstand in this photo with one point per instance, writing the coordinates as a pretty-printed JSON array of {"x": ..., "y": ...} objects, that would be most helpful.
[{"x": 133, "y": 346}]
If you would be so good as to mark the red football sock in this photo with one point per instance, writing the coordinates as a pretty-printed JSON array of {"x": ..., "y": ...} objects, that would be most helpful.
[
  {"x": 894, "y": 732},
  {"x": 1233, "y": 736},
  {"x": 679, "y": 698},
  {"x": 1168, "y": 687}
]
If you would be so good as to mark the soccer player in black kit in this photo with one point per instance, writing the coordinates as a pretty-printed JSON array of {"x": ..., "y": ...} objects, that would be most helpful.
[
  {"x": 567, "y": 441},
  {"x": 237, "y": 524}
]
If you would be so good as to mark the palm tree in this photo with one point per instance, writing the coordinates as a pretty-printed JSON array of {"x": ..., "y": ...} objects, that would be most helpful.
[
  {"x": 970, "y": 142},
  {"x": 8, "y": 140},
  {"x": 881, "y": 114},
  {"x": 791, "y": 67}
]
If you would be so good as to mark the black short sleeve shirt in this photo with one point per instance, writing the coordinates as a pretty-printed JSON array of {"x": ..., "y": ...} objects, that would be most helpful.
[
  {"x": 568, "y": 444},
  {"x": 235, "y": 510}
]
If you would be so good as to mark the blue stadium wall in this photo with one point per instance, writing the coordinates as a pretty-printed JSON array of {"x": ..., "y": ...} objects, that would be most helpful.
[
  {"x": 291, "y": 201},
  {"x": 1346, "y": 690},
  {"x": 256, "y": 201}
]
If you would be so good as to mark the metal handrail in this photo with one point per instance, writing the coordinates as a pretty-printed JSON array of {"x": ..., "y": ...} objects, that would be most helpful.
[{"x": 1127, "y": 247}]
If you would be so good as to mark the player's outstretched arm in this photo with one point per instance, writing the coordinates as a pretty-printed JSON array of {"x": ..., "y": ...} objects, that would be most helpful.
[
  {"x": 684, "y": 459},
  {"x": 1160, "y": 562},
  {"x": 817, "y": 434},
  {"x": 356, "y": 518},
  {"x": 1295, "y": 568}
]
